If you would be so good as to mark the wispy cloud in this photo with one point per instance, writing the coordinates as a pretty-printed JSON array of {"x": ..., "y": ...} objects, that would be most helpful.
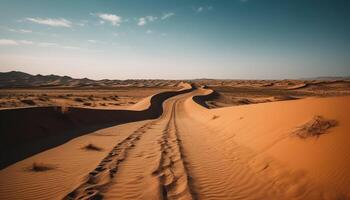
[
  {"x": 115, "y": 20},
  {"x": 26, "y": 42},
  {"x": 47, "y": 44},
  {"x": 149, "y": 31},
  {"x": 7, "y": 42},
  {"x": 10, "y": 42},
  {"x": 203, "y": 8},
  {"x": 144, "y": 20},
  {"x": 167, "y": 15},
  {"x": 60, "y": 22},
  {"x": 20, "y": 30}
]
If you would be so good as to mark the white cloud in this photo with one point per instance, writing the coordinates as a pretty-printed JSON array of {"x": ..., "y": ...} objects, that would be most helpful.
[
  {"x": 151, "y": 18},
  {"x": 200, "y": 9},
  {"x": 8, "y": 42},
  {"x": 115, "y": 20},
  {"x": 167, "y": 15},
  {"x": 92, "y": 41},
  {"x": 203, "y": 8},
  {"x": 61, "y": 22},
  {"x": 149, "y": 31},
  {"x": 144, "y": 20}
]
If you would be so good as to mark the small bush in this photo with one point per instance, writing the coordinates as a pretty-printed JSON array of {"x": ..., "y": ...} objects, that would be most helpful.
[
  {"x": 40, "y": 167},
  {"x": 92, "y": 147}
]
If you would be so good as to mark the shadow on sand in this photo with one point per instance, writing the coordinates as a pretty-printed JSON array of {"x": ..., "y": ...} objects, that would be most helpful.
[{"x": 28, "y": 131}]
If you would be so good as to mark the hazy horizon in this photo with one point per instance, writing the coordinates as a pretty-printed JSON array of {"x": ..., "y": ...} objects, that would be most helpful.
[{"x": 238, "y": 39}]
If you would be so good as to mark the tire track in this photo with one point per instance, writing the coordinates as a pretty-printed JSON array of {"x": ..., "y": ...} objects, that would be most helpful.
[
  {"x": 98, "y": 179},
  {"x": 171, "y": 169}
]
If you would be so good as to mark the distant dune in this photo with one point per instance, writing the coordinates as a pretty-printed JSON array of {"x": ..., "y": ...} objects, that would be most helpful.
[{"x": 16, "y": 79}]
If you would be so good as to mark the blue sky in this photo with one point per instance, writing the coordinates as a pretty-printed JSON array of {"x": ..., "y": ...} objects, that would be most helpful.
[{"x": 178, "y": 39}]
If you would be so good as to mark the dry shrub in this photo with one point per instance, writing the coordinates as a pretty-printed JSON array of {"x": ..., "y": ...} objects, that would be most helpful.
[
  {"x": 43, "y": 99},
  {"x": 28, "y": 102},
  {"x": 40, "y": 167},
  {"x": 215, "y": 117},
  {"x": 92, "y": 147},
  {"x": 78, "y": 99},
  {"x": 91, "y": 97},
  {"x": 244, "y": 101},
  {"x": 317, "y": 126},
  {"x": 62, "y": 96},
  {"x": 87, "y": 104}
]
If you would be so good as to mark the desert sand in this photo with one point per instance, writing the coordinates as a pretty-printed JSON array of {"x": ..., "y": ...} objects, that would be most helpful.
[{"x": 171, "y": 146}]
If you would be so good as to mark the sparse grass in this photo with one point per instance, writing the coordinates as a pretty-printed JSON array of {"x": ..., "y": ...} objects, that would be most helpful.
[
  {"x": 40, "y": 167},
  {"x": 92, "y": 147},
  {"x": 215, "y": 117},
  {"x": 315, "y": 127}
]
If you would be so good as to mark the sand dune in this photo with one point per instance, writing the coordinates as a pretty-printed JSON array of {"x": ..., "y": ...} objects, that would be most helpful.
[
  {"x": 309, "y": 168},
  {"x": 191, "y": 152}
]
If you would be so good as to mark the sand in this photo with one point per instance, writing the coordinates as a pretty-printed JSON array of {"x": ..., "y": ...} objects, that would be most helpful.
[{"x": 192, "y": 152}]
